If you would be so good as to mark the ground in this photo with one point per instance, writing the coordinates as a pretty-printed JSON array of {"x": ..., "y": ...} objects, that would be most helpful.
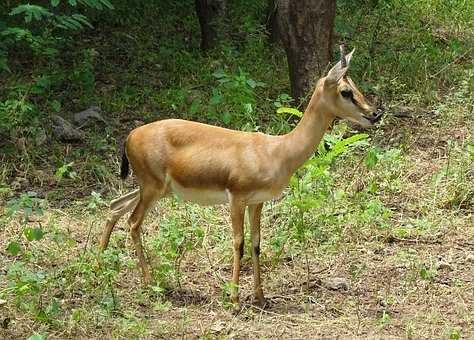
[
  {"x": 387, "y": 212},
  {"x": 411, "y": 279}
]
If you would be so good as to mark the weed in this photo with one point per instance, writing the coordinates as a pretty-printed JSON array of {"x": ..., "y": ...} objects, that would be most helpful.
[
  {"x": 65, "y": 171},
  {"x": 370, "y": 209},
  {"x": 385, "y": 319}
]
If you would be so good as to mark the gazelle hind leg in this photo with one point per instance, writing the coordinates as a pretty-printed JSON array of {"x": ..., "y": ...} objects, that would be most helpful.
[
  {"x": 118, "y": 208},
  {"x": 148, "y": 195}
]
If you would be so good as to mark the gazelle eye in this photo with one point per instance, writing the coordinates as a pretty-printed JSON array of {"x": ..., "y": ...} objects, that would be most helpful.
[{"x": 346, "y": 94}]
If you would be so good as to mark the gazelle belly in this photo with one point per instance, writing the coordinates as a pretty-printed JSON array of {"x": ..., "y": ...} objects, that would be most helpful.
[
  {"x": 211, "y": 197},
  {"x": 198, "y": 195}
]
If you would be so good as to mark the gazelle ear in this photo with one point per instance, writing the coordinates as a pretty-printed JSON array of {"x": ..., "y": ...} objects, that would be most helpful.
[
  {"x": 338, "y": 71},
  {"x": 349, "y": 57}
]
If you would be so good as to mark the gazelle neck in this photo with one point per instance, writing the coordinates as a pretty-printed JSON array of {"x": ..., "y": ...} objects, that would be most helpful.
[{"x": 300, "y": 143}]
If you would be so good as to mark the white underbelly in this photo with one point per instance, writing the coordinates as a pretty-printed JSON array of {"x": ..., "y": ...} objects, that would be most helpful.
[
  {"x": 198, "y": 195},
  {"x": 213, "y": 197}
]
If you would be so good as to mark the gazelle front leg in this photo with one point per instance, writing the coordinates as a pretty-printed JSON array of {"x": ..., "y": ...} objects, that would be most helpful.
[
  {"x": 255, "y": 212},
  {"x": 237, "y": 212}
]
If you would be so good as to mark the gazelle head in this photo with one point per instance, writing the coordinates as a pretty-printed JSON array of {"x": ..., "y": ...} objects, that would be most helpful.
[{"x": 344, "y": 99}]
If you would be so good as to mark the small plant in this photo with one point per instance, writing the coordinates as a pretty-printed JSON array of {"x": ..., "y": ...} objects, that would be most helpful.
[
  {"x": 283, "y": 100},
  {"x": 450, "y": 183},
  {"x": 174, "y": 240},
  {"x": 65, "y": 171},
  {"x": 40, "y": 21},
  {"x": 83, "y": 76},
  {"x": 18, "y": 116},
  {"x": 37, "y": 336},
  {"x": 313, "y": 186},
  {"x": 95, "y": 201},
  {"x": 454, "y": 334},
  {"x": 228, "y": 289},
  {"x": 385, "y": 319},
  {"x": 427, "y": 273},
  {"x": 27, "y": 205},
  {"x": 409, "y": 329},
  {"x": 233, "y": 97},
  {"x": 26, "y": 287}
]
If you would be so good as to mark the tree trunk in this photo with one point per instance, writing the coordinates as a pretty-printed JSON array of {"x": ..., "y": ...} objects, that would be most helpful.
[
  {"x": 211, "y": 15},
  {"x": 305, "y": 27}
]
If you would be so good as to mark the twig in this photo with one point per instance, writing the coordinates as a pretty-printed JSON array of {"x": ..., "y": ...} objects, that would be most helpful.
[
  {"x": 392, "y": 238},
  {"x": 87, "y": 239}
]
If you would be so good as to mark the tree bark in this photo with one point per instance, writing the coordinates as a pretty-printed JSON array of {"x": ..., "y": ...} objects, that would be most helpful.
[
  {"x": 305, "y": 28},
  {"x": 211, "y": 14}
]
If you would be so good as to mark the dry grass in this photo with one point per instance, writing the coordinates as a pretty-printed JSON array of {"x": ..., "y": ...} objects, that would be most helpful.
[{"x": 420, "y": 285}]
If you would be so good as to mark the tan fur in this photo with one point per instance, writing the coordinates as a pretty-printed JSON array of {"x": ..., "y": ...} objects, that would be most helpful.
[{"x": 210, "y": 164}]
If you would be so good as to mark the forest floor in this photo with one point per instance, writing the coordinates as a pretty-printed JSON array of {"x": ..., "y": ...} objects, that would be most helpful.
[
  {"x": 413, "y": 279},
  {"x": 390, "y": 216}
]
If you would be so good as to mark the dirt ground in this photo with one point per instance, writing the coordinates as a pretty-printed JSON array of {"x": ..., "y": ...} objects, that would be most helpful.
[{"x": 392, "y": 287}]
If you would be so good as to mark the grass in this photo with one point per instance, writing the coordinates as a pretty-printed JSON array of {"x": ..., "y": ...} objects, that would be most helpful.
[{"x": 392, "y": 213}]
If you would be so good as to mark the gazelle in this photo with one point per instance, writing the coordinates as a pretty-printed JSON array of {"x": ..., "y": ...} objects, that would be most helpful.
[{"x": 212, "y": 165}]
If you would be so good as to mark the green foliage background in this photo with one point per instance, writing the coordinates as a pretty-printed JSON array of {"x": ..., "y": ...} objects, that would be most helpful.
[{"x": 140, "y": 61}]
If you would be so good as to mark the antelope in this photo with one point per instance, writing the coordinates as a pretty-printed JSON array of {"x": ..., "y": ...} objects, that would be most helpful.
[{"x": 212, "y": 165}]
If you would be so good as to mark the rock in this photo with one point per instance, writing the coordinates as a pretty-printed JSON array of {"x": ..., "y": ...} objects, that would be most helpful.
[
  {"x": 89, "y": 117},
  {"x": 336, "y": 283},
  {"x": 65, "y": 131},
  {"x": 470, "y": 258}
]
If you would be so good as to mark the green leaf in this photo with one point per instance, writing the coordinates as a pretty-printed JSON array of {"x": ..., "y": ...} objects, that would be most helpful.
[
  {"x": 290, "y": 110},
  {"x": 371, "y": 158},
  {"x": 13, "y": 248},
  {"x": 28, "y": 234},
  {"x": 107, "y": 4},
  {"x": 226, "y": 118},
  {"x": 82, "y": 19},
  {"x": 56, "y": 105},
  {"x": 65, "y": 169},
  {"x": 31, "y": 12},
  {"x": 248, "y": 108},
  {"x": 252, "y": 83},
  {"x": 55, "y": 3},
  {"x": 33, "y": 234},
  {"x": 216, "y": 97},
  {"x": 195, "y": 106},
  {"x": 37, "y": 336},
  {"x": 219, "y": 74},
  {"x": 455, "y": 335}
]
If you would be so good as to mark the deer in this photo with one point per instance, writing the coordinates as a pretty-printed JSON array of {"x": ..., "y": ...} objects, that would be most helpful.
[{"x": 211, "y": 165}]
